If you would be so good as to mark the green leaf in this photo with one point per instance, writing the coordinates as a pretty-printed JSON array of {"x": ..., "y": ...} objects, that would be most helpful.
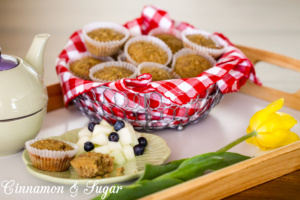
[
  {"x": 143, "y": 188},
  {"x": 153, "y": 171},
  {"x": 198, "y": 165}
]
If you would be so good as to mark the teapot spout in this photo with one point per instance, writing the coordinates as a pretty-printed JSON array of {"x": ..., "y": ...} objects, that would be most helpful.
[{"x": 35, "y": 54}]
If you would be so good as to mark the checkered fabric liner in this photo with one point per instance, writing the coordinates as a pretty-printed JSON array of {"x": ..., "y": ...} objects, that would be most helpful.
[{"x": 230, "y": 73}]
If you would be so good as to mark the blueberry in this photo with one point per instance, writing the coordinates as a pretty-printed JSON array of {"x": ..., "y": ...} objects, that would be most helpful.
[
  {"x": 88, "y": 146},
  {"x": 91, "y": 126},
  {"x": 119, "y": 125},
  {"x": 138, "y": 149},
  {"x": 143, "y": 141},
  {"x": 113, "y": 136}
]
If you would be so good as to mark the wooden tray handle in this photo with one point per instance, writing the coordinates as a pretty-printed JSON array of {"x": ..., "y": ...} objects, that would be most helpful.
[
  {"x": 292, "y": 100},
  {"x": 55, "y": 97}
]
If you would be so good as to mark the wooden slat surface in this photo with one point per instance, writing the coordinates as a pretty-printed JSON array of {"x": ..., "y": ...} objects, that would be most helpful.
[{"x": 55, "y": 96}]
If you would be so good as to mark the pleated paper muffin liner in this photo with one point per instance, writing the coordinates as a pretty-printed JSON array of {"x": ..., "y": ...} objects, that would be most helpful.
[
  {"x": 50, "y": 160},
  {"x": 125, "y": 65},
  {"x": 83, "y": 55},
  {"x": 213, "y": 52},
  {"x": 104, "y": 48},
  {"x": 187, "y": 51},
  {"x": 122, "y": 57},
  {"x": 157, "y": 65},
  {"x": 150, "y": 39}
]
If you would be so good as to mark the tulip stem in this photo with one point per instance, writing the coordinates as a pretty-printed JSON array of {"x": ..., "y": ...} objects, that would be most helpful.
[{"x": 237, "y": 141}]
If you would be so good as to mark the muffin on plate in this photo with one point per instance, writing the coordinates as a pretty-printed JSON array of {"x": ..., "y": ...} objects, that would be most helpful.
[
  {"x": 92, "y": 164},
  {"x": 159, "y": 72},
  {"x": 141, "y": 49},
  {"x": 188, "y": 63},
  {"x": 203, "y": 41},
  {"x": 50, "y": 154},
  {"x": 104, "y": 38},
  {"x": 112, "y": 71},
  {"x": 81, "y": 67}
]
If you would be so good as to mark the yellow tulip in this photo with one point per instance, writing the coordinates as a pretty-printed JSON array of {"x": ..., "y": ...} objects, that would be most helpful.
[
  {"x": 268, "y": 129},
  {"x": 271, "y": 129}
]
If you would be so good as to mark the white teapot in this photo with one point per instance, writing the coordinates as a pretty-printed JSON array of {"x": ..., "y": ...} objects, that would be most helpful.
[{"x": 23, "y": 97}]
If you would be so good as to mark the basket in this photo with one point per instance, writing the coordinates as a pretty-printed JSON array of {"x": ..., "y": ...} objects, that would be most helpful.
[
  {"x": 150, "y": 105},
  {"x": 142, "y": 114}
]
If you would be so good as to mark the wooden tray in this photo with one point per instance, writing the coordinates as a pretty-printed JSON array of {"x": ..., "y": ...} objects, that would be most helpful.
[{"x": 244, "y": 175}]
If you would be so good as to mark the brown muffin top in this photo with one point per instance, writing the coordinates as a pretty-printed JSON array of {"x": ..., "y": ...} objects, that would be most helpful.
[
  {"x": 105, "y": 35},
  {"x": 191, "y": 65},
  {"x": 52, "y": 144},
  {"x": 143, "y": 51},
  {"x": 173, "y": 42},
  {"x": 203, "y": 41},
  {"x": 158, "y": 74},
  {"x": 93, "y": 164},
  {"x": 81, "y": 67},
  {"x": 112, "y": 73}
]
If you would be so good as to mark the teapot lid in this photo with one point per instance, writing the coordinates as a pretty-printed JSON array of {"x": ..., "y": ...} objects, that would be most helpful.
[{"x": 7, "y": 62}]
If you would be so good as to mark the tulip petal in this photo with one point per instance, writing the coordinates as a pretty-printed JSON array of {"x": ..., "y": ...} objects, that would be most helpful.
[
  {"x": 253, "y": 140},
  {"x": 275, "y": 139},
  {"x": 249, "y": 129},
  {"x": 264, "y": 114},
  {"x": 277, "y": 121},
  {"x": 291, "y": 138}
]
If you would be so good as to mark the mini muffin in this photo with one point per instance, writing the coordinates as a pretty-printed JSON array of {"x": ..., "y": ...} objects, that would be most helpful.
[
  {"x": 50, "y": 154},
  {"x": 104, "y": 38},
  {"x": 171, "y": 37},
  {"x": 174, "y": 43},
  {"x": 141, "y": 49},
  {"x": 188, "y": 63},
  {"x": 105, "y": 35},
  {"x": 112, "y": 71},
  {"x": 81, "y": 67},
  {"x": 159, "y": 72},
  {"x": 93, "y": 164},
  {"x": 203, "y": 41}
]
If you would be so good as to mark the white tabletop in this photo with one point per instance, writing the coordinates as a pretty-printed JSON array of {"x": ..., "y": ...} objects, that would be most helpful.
[{"x": 226, "y": 122}]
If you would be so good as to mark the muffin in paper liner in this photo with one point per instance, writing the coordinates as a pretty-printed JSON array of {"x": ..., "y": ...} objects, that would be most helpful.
[
  {"x": 174, "y": 43},
  {"x": 148, "y": 39},
  {"x": 50, "y": 160},
  {"x": 84, "y": 73},
  {"x": 108, "y": 48},
  {"x": 173, "y": 74},
  {"x": 120, "y": 64},
  {"x": 215, "y": 52},
  {"x": 187, "y": 51}
]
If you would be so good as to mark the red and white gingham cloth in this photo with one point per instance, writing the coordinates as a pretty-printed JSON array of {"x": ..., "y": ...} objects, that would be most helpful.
[{"x": 230, "y": 73}]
